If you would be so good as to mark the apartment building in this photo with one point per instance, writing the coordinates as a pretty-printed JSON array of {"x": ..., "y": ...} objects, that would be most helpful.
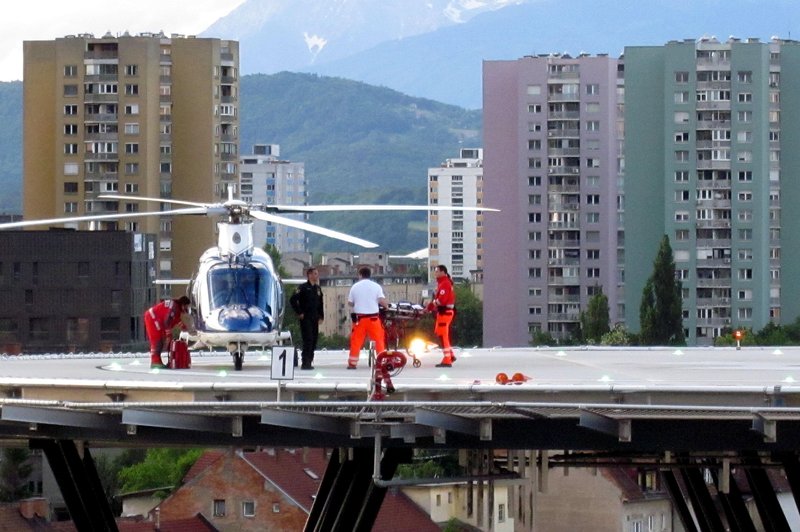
[
  {"x": 455, "y": 237},
  {"x": 552, "y": 164},
  {"x": 710, "y": 161},
  {"x": 147, "y": 115},
  {"x": 267, "y": 179}
]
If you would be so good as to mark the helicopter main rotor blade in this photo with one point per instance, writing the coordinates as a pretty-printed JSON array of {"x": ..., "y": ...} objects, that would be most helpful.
[
  {"x": 157, "y": 200},
  {"x": 263, "y": 216},
  {"x": 99, "y": 217},
  {"x": 338, "y": 208}
]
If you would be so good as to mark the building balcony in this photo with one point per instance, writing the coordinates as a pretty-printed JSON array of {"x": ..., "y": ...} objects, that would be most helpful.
[
  {"x": 724, "y": 105},
  {"x": 563, "y": 151},
  {"x": 555, "y": 77},
  {"x": 562, "y": 115},
  {"x": 713, "y": 322},
  {"x": 564, "y": 133},
  {"x": 100, "y": 117},
  {"x": 564, "y": 281},
  {"x": 566, "y": 243},
  {"x": 563, "y": 189},
  {"x": 101, "y": 136},
  {"x": 564, "y": 262},
  {"x": 89, "y": 157},
  {"x": 714, "y": 263},
  {"x": 714, "y": 203},
  {"x": 564, "y": 170},
  {"x": 714, "y": 283},
  {"x": 713, "y": 242},
  {"x": 713, "y": 224},
  {"x": 713, "y": 124},
  {"x": 563, "y": 317},
  {"x": 720, "y": 184},
  {"x": 574, "y": 224},
  {"x": 713, "y": 165},
  {"x": 100, "y": 54},
  {"x": 100, "y": 98}
]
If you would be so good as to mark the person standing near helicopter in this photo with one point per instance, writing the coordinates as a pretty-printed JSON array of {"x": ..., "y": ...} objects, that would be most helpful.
[
  {"x": 366, "y": 299},
  {"x": 444, "y": 305},
  {"x": 159, "y": 320},
  {"x": 307, "y": 304}
]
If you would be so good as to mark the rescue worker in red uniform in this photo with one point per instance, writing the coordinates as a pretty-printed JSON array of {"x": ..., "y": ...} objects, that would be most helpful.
[
  {"x": 159, "y": 320},
  {"x": 444, "y": 305}
]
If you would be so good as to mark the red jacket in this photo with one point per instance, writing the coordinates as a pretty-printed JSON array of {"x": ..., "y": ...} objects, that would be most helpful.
[
  {"x": 165, "y": 315},
  {"x": 445, "y": 297}
]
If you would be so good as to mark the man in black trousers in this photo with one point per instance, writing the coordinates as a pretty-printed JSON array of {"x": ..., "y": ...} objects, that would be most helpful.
[{"x": 307, "y": 304}]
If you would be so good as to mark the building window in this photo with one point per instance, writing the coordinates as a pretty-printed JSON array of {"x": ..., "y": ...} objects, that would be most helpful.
[
  {"x": 131, "y": 70},
  {"x": 593, "y": 125},
  {"x": 681, "y": 97},
  {"x": 70, "y": 129},
  {"x": 681, "y": 77},
  {"x": 219, "y": 508},
  {"x": 70, "y": 149},
  {"x": 682, "y": 176},
  {"x": 534, "y": 108},
  {"x": 70, "y": 187},
  {"x": 70, "y": 90},
  {"x": 745, "y": 175},
  {"x": 593, "y": 89},
  {"x": 132, "y": 147},
  {"x": 681, "y": 155},
  {"x": 681, "y": 117},
  {"x": 744, "y": 76},
  {"x": 70, "y": 110},
  {"x": 534, "y": 90},
  {"x": 132, "y": 128},
  {"x": 70, "y": 207},
  {"x": 248, "y": 508},
  {"x": 131, "y": 168},
  {"x": 132, "y": 89},
  {"x": 132, "y": 109}
]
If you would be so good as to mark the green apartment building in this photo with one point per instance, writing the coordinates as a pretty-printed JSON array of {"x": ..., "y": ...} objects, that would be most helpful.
[{"x": 712, "y": 131}]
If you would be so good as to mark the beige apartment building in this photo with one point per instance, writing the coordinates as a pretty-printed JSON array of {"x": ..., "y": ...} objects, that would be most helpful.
[{"x": 146, "y": 115}]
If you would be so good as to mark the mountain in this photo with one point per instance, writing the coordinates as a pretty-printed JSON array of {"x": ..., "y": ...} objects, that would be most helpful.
[
  {"x": 276, "y": 35},
  {"x": 359, "y": 143},
  {"x": 444, "y": 64}
]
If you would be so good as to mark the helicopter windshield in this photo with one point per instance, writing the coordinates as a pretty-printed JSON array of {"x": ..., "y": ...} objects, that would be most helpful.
[{"x": 248, "y": 286}]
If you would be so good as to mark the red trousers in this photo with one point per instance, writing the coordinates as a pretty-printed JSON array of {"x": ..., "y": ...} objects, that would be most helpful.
[
  {"x": 442, "y": 330},
  {"x": 155, "y": 334},
  {"x": 366, "y": 327}
]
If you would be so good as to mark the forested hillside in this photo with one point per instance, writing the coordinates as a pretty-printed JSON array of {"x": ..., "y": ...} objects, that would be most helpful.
[{"x": 359, "y": 143}]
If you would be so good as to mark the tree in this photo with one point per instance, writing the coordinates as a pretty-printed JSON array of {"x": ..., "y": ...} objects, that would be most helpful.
[
  {"x": 660, "y": 313},
  {"x": 595, "y": 320},
  {"x": 15, "y": 468},
  {"x": 468, "y": 323},
  {"x": 160, "y": 468}
]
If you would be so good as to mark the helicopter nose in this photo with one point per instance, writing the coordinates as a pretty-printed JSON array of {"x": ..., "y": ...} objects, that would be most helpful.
[{"x": 237, "y": 318}]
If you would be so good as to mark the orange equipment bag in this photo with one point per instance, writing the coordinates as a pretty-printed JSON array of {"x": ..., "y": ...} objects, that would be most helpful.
[{"x": 179, "y": 357}]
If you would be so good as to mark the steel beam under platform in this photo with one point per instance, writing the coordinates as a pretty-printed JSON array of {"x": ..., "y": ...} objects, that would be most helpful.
[
  {"x": 349, "y": 496},
  {"x": 80, "y": 485}
]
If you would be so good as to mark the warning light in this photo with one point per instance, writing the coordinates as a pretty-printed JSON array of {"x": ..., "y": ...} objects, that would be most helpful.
[
  {"x": 501, "y": 378},
  {"x": 738, "y": 335}
]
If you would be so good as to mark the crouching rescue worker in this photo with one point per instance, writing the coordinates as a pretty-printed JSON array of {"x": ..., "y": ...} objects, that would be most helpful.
[
  {"x": 444, "y": 305},
  {"x": 159, "y": 320}
]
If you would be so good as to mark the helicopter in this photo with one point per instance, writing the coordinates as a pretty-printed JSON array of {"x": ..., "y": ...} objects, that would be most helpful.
[{"x": 236, "y": 293}]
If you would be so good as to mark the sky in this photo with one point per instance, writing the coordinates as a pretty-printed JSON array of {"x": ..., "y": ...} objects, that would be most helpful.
[{"x": 33, "y": 20}]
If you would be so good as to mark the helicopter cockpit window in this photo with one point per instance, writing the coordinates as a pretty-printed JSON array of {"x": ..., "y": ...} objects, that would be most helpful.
[{"x": 246, "y": 286}]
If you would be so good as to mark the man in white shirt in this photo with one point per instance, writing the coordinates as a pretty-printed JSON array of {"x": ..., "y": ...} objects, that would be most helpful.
[{"x": 366, "y": 299}]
